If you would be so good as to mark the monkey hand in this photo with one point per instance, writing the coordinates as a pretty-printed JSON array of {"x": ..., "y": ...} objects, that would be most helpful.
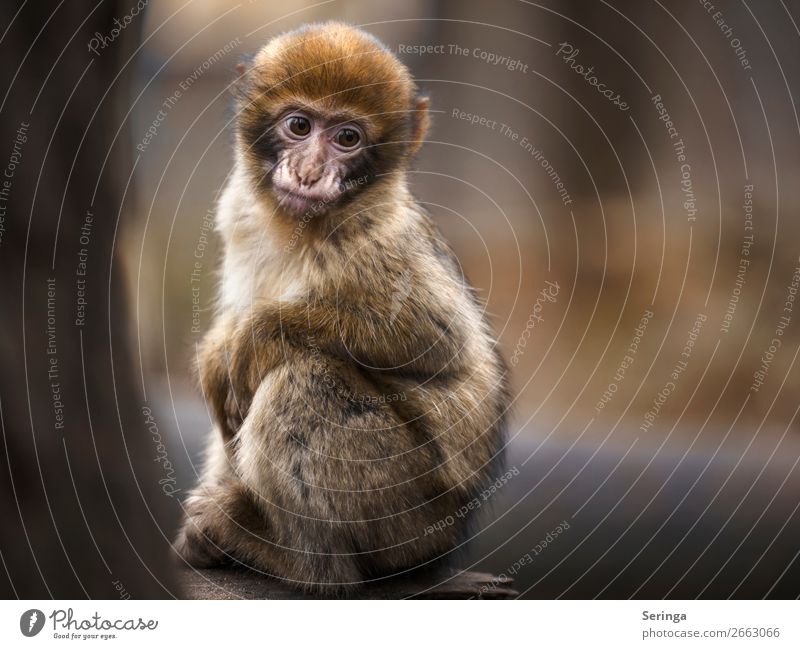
[
  {"x": 220, "y": 373},
  {"x": 233, "y": 359}
]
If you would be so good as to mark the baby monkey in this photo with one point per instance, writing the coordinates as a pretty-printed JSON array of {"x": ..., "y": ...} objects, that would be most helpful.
[{"x": 357, "y": 394}]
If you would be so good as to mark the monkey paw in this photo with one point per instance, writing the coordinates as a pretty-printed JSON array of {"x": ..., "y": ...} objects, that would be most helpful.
[{"x": 195, "y": 543}]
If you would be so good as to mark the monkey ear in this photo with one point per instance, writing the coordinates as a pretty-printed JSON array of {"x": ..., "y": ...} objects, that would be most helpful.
[
  {"x": 420, "y": 122},
  {"x": 243, "y": 77}
]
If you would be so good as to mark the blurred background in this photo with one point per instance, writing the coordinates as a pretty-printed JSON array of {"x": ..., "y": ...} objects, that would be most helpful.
[
  {"x": 641, "y": 215},
  {"x": 619, "y": 181}
]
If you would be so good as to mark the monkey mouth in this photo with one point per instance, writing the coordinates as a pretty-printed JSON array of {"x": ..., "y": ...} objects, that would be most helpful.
[{"x": 302, "y": 204}]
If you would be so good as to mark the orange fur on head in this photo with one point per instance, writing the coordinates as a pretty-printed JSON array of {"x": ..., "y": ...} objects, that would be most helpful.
[{"x": 336, "y": 68}]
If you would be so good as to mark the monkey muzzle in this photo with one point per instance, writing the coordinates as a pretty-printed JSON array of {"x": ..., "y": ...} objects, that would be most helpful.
[
  {"x": 302, "y": 191},
  {"x": 304, "y": 204}
]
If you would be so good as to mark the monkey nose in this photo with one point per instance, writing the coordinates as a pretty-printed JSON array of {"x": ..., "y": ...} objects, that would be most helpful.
[{"x": 309, "y": 174}]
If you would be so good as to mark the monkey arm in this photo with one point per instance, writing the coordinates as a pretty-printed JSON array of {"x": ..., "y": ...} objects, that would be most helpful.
[
  {"x": 417, "y": 340},
  {"x": 232, "y": 360},
  {"x": 213, "y": 371},
  {"x": 238, "y": 352}
]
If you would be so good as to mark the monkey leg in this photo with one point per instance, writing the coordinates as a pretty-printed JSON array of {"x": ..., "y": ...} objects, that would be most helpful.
[
  {"x": 332, "y": 481},
  {"x": 340, "y": 472},
  {"x": 224, "y": 525}
]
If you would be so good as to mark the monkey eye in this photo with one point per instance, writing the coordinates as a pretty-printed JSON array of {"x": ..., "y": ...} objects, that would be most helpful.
[
  {"x": 347, "y": 138},
  {"x": 299, "y": 126}
]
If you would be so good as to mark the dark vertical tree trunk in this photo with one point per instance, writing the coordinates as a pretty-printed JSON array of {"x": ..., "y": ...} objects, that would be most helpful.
[{"x": 79, "y": 498}]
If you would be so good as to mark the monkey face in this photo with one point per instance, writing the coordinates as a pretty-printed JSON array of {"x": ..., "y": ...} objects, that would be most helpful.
[
  {"x": 324, "y": 113},
  {"x": 315, "y": 161}
]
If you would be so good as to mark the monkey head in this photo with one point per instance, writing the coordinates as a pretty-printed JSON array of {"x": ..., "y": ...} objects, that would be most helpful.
[{"x": 323, "y": 113}]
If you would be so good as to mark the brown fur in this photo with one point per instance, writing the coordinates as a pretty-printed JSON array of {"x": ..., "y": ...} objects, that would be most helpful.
[{"x": 364, "y": 407}]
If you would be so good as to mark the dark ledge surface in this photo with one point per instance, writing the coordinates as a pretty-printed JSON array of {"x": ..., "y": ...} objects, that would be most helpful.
[{"x": 231, "y": 583}]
